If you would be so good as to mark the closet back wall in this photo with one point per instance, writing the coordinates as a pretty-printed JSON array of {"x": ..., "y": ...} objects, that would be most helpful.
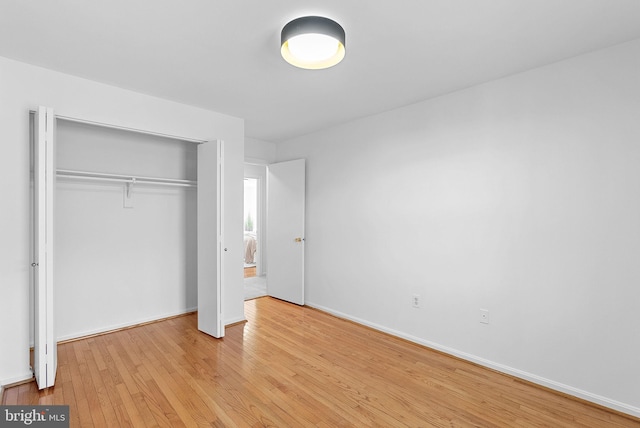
[{"x": 119, "y": 266}]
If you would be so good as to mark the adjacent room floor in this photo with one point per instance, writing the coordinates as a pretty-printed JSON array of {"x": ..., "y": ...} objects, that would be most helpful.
[{"x": 255, "y": 286}]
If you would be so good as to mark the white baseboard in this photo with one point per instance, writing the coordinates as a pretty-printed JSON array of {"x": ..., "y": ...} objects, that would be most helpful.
[
  {"x": 108, "y": 328},
  {"x": 16, "y": 379},
  {"x": 234, "y": 321},
  {"x": 557, "y": 386}
]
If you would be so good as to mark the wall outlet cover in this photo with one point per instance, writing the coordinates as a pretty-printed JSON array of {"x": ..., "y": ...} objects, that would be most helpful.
[
  {"x": 415, "y": 301},
  {"x": 484, "y": 316}
]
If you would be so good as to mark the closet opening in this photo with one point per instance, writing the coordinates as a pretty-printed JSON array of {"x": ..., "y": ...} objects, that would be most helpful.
[
  {"x": 125, "y": 219},
  {"x": 126, "y": 229}
]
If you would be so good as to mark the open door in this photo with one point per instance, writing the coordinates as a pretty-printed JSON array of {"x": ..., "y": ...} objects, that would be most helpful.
[
  {"x": 45, "y": 355},
  {"x": 210, "y": 239},
  {"x": 285, "y": 230}
]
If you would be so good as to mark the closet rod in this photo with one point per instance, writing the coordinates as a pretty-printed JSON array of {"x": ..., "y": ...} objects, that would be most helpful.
[
  {"x": 124, "y": 128},
  {"x": 123, "y": 178}
]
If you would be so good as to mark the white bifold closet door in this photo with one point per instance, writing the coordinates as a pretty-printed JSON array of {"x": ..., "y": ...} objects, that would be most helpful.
[
  {"x": 45, "y": 345},
  {"x": 210, "y": 238}
]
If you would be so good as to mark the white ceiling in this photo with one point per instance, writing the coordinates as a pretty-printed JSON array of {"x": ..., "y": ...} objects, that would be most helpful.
[{"x": 224, "y": 55}]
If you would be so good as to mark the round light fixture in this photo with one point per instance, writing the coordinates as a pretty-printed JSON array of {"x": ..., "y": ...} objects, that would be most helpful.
[{"x": 312, "y": 42}]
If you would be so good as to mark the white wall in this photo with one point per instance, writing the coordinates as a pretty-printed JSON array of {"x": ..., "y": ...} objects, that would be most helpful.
[
  {"x": 24, "y": 87},
  {"x": 519, "y": 196},
  {"x": 259, "y": 151}
]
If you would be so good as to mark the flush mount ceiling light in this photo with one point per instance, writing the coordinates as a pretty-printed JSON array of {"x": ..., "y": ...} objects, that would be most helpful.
[{"x": 312, "y": 42}]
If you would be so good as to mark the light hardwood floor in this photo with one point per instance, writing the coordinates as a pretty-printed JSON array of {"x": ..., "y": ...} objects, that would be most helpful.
[
  {"x": 290, "y": 366},
  {"x": 249, "y": 272}
]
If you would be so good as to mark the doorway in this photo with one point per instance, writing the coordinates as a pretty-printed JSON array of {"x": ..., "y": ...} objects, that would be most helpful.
[
  {"x": 250, "y": 222},
  {"x": 255, "y": 282},
  {"x": 279, "y": 248}
]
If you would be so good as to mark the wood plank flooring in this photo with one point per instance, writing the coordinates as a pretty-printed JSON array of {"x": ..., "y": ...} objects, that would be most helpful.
[
  {"x": 250, "y": 271},
  {"x": 290, "y": 366}
]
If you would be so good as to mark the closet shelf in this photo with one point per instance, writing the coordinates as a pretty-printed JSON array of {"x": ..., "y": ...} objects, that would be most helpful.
[{"x": 123, "y": 178}]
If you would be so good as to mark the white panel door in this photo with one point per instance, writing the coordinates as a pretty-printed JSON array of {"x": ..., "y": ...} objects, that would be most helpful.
[
  {"x": 45, "y": 346},
  {"x": 285, "y": 230},
  {"x": 210, "y": 239}
]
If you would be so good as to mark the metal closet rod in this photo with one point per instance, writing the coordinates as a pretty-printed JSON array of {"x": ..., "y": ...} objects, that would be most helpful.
[{"x": 124, "y": 178}]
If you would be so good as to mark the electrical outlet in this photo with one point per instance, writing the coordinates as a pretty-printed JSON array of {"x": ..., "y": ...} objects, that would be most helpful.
[
  {"x": 484, "y": 316},
  {"x": 415, "y": 301}
]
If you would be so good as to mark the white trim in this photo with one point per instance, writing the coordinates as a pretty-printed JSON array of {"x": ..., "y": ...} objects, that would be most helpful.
[
  {"x": 234, "y": 321},
  {"x": 222, "y": 246},
  {"x": 557, "y": 386},
  {"x": 124, "y": 325},
  {"x": 125, "y": 128},
  {"x": 255, "y": 161}
]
